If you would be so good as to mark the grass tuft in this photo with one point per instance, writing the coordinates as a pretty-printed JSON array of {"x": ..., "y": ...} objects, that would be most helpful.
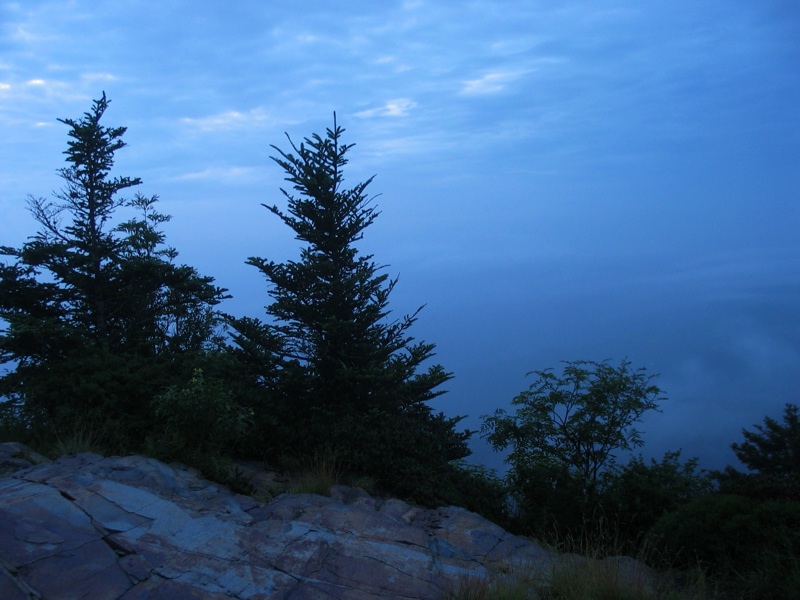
[
  {"x": 588, "y": 567},
  {"x": 315, "y": 473},
  {"x": 84, "y": 435}
]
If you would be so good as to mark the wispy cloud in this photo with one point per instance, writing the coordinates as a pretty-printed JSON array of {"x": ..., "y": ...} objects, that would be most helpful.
[
  {"x": 307, "y": 38},
  {"x": 490, "y": 83},
  {"x": 26, "y": 91},
  {"x": 393, "y": 108},
  {"x": 228, "y": 174},
  {"x": 92, "y": 77},
  {"x": 22, "y": 34},
  {"x": 391, "y": 61},
  {"x": 229, "y": 120}
]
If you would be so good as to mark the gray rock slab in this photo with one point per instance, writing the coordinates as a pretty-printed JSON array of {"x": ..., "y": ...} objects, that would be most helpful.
[
  {"x": 134, "y": 528},
  {"x": 88, "y": 571},
  {"x": 9, "y": 587},
  {"x": 37, "y": 522}
]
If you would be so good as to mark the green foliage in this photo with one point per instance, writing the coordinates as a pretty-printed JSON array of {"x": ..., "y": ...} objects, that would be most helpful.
[
  {"x": 775, "y": 448},
  {"x": 772, "y": 455},
  {"x": 199, "y": 424},
  {"x": 479, "y": 490},
  {"x": 753, "y": 546},
  {"x": 639, "y": 494},
  {"x": 201, "y": 416},
  {"x": 100, "y": 385},
  {"x": 335, "y": 370},
  {"x": 407, "y": 455},
  {"x": 748, "y": 534},
  {"x": 15, "y": 424},
  {"x": 98, "y": 317},
  {"x": 566, "y": 431},
  {"x": 760, "y": 486},
  {"x": 547, "y": 498}
]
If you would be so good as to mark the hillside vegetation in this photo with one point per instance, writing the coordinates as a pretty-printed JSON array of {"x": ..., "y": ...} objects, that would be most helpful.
[{"x": 113, "y": 345}]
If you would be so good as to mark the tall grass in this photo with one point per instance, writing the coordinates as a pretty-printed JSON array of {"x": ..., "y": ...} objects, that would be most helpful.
[
  {"x": 590, "y": 566},
  {"x": 579, "y": 578},
  {"x": 319, "y": 470},
  {"x": 77, "y": 435},
  {"x": 313, "y": 473}
]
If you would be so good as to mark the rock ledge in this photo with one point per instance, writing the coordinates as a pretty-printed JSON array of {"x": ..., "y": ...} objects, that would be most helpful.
[{"x": 132, "y": 528}]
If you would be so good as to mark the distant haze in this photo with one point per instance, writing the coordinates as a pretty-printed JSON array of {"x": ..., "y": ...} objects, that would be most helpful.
[{"x": 557, "y": 180}]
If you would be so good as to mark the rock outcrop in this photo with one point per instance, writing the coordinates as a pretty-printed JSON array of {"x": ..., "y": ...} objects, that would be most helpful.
[{"x": 132, "y": 528}]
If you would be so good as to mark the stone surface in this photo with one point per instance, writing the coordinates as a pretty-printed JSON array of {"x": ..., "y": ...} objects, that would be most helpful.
[{"x": 132, "y": 528}]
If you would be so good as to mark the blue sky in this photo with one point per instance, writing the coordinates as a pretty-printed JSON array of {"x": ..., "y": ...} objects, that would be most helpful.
[{"x": 557, "y": 180}]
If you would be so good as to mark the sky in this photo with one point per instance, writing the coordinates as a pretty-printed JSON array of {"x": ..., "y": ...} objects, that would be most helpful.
[{"x": 557, "y": 180}]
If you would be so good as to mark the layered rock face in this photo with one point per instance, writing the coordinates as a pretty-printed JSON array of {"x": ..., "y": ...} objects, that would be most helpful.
[{"x": 133, "y": 528}]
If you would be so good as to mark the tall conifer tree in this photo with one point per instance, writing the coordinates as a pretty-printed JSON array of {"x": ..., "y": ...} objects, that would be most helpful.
[
  {"x": 97, "y": 315},
  {"x": 349, "y": 373}
]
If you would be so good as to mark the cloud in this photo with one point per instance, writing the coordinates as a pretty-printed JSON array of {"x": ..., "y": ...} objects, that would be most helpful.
[
  {"x": 21, "y": 34},
  {"x": 392, "y": 61},
  {"x": 92, "y": 77},
  {"x": 36, "y": 98},
  {"x": 393, "y": 108},
  {"x": 220, "y": 173},
  {"x": 229, "y": 120},
  {"x": 489, "y": 83}
]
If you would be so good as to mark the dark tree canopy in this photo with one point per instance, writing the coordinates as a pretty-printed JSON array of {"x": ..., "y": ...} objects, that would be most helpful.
[
  {"x": 98, "y": 316},
  {"x": 771, "y": 454},
  {"x": 639, "y": 493},
  {"x": 774, "y": 447},
  {"x": 347, "y": 370}
]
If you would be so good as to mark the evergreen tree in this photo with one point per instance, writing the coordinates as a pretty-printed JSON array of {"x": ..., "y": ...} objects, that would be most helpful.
[
  {"x": 774, "y": 448},
  {"x": 98, "y": 317},
  {"x": 348, "y": 373},
  {"x": 771, "y": 454}
]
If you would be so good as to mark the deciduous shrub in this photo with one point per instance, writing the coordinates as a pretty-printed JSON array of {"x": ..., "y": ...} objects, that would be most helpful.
[
  {"x": 753, "y": 545},
  {"x": 197, "y": 422}
]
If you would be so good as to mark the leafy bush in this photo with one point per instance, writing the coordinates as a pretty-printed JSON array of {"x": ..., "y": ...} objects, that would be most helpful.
[
  {"x": 566, "y": 431},
  {"x": 546, "y": 499},
  {"x": 480, "y": 490},
  {"x": 753, "y": 545},
  {"x": 199, "y": 420},
  {"x": 15, "y": 423},
  {"x": 407, "y": 455},
  {"x": 639, "y": 494}
]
